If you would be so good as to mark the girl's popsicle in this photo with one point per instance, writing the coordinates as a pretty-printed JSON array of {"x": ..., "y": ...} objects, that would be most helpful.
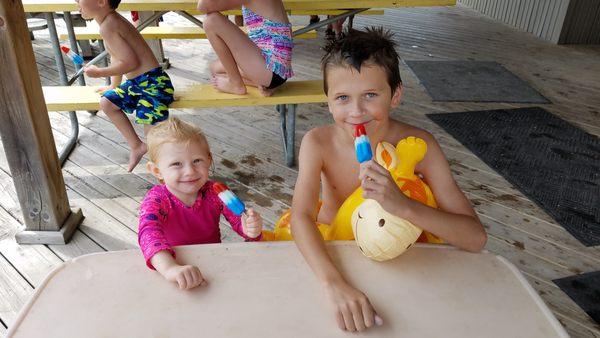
[
  {"x": 362, "y": 146},
  {"x": 76, "y": 58},
  {"x": 229, "y": 199}
]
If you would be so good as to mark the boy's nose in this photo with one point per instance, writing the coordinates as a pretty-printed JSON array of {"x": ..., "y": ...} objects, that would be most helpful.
[{"x": 357, "y": 110}]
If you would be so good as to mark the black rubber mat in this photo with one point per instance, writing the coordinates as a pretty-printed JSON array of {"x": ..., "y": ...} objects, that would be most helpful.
[
  {"x": 478, "y": 81},
  {"x": 585, "y": 291},
  {"x": 554, "y": 163}
]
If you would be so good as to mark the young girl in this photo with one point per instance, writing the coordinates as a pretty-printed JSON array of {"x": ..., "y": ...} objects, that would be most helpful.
[
  {"x": 184, "y": 209},
  {"x": 263, "y": 58}
]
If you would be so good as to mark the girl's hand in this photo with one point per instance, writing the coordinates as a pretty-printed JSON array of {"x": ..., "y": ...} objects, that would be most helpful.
[
  {"x": 92, "y": 71},
  {"x": 352, "y": 309},
  {"x": 378, "y": 184},
  {"x": 252, "y": 223},
  {"x": 186, "y": 276},
  {"x": 102, "y": 89}
]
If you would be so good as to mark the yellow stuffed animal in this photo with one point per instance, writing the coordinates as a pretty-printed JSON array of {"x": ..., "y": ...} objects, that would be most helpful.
[{"x": 401, "y": 162}]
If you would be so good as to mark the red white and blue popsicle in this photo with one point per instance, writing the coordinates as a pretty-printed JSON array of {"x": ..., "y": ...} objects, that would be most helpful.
[
  {"x": 229, "y": 199},
  {"x": 362, "y": 145},
  {"x": 76, "y": 58}
]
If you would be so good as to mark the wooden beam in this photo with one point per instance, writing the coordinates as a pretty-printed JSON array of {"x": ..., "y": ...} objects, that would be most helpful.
[{"x": 27, "y": 137}]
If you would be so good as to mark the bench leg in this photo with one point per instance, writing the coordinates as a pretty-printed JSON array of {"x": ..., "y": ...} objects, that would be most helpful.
[
  {"x": 287, "y": 113},
  {"x": 62, "y": 73}
]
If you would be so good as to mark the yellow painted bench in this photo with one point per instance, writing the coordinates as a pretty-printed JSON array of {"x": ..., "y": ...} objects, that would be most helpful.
[
  {"x": 163, "y": 32},
  {"x": 285, "y": 99}
]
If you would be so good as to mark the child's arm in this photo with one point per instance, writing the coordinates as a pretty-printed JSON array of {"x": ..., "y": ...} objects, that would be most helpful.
[
  {"x": 209, "y": 6},
  {"x": 123, "y": 58},
  {"x": 454, "y": 221},
  {"x": 156, "y": 250},
  {"x": 352, "y": 308},
  {"x": 186, "y": 276},
  {"x": 115, "y": 81},
  {"x": 248, "y": 226}
]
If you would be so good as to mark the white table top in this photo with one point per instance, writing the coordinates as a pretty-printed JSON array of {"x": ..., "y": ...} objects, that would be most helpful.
[{"x": 267, "y": 290}]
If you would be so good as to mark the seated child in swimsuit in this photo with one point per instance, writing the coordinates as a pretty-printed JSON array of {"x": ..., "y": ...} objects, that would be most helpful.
[
  {"x": 262, "y": 59},
  {"x": 184, "y": 209},
  {"x": 362, "y": 83},
  {"x": 148, "y": 90}
]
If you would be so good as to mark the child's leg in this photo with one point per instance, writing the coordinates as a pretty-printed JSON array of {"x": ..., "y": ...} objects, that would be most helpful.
[
  {"x": 235, "y": 49},
  {"x": 118, "y": 118},
  {"x": 217, "y": 69}
]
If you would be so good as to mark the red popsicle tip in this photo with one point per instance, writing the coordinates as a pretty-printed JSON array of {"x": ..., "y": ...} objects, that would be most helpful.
[
  {"x": 219, "y": 187},
  {"x": 65, "y": 49},
  {"x": 359, "y": 130}
]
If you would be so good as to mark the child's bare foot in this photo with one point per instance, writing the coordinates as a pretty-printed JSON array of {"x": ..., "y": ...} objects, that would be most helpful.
[
  {"x": 135, "y": 156},
  {"x": 223, "y": 84},
  {"x": 265, "y": 92}
]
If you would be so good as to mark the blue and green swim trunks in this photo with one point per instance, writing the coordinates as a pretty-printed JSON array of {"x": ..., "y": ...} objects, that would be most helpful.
[{"x": 148, "y": 95}]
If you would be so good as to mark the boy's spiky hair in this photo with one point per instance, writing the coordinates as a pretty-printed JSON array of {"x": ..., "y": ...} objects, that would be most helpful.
[
  {"x": 354, "y": 48},
  {"x": 114, "y": 4},
  {"x": 172, "y": 130}
]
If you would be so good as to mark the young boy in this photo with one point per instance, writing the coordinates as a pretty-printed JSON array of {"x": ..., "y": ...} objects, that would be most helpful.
[
  {"x": 362, "y": 83},
  {"x": 147, "y": 91}
]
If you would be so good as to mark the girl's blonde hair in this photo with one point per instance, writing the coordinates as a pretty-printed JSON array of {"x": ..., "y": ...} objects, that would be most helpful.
[{"x": 172, "y": 130}]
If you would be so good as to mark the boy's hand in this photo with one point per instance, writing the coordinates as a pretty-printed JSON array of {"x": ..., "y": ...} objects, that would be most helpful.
[
  {"x": 252, "y": 223},
  {"x": 352, "y": 309},
  {"x": 103, "y": 89},
  {"x": 92, "y": 71},
  {"x": 186, "y": 276},
  {"x": 378, "y": 184}
]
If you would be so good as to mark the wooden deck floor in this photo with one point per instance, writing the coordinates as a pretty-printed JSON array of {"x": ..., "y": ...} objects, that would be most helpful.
[{"x": 247, "y": 149}]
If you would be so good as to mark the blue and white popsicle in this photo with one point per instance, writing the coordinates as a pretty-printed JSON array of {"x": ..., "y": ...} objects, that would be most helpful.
[
  {"x": 362, "y": 145},
  {"x": 76, "y": 58},
  {"x": 229, "y": 199}
]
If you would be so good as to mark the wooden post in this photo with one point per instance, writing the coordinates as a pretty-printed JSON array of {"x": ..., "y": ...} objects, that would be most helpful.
[{"x": 27, "y": 137}]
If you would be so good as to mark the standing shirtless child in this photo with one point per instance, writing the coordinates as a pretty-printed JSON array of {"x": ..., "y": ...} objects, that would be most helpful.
[
  {"x": 147, "y": 91},
  {"x": 362, "y": 83}
]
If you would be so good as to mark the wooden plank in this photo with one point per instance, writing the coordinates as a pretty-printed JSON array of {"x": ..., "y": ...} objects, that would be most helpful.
[
  {"x": 190, "y": 5},
  {"x": 164, "y": 32},
  {"x": 60, "y": 98},
  {"x": 14, "y": 291},
  {"x": 33, "y": 262},
  {"x": 79, "y": 244},
  {"x": 333, "y": 12},
  {"x": 563, "y": 305},
  {"x": 302, "y": 12},
  {"x": 265, "y": 205},
  {"x": 26, "y": 135}
]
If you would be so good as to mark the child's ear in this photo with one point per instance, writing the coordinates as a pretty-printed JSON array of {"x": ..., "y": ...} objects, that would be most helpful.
[
  {"x": 396, "y": 96},
  {"x": 154, "y": 170}
]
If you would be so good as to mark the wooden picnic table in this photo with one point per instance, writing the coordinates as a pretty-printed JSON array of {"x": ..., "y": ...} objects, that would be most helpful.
[
  {"x": 160, "y": 7},
  {"x": 184, "y": 5},
  {"x": 267, "y": 290}
]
